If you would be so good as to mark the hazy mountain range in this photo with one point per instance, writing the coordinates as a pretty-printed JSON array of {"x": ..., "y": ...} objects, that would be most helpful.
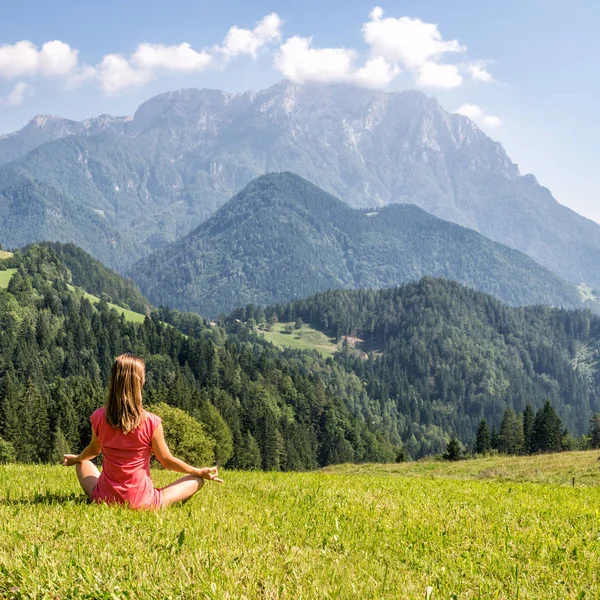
[{"x": 121, "y": 187}]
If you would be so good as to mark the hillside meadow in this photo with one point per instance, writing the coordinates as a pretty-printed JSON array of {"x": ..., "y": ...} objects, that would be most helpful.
[{"x": 407, "y": 531}]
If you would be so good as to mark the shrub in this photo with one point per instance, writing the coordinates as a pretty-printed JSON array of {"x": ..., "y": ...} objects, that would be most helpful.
[{"x": 185, "y": 436}]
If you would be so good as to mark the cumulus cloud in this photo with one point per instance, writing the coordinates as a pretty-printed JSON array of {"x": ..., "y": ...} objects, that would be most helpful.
[
  {"x": 117, "y": 72},
  {"x": 17, "y": 95},
  {"x": 25, "y": 59},
  {"x": 395, "y": 45},
  {"x": 240, "y": 41},
  {"x": 300, "y": 62},
  {"x": 477, "y": 114},
  {"x": 478, "y": 71}
]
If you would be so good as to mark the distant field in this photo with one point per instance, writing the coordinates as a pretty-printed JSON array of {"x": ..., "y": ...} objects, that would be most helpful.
[
  {"x": 555, "y": 469},
  {"x": 305, "y": 338},
  {"x": 309, "y": 536},
  {"x": 586, "y": 292},
  {"x": 129, "y": 314},
  {"x": 4, "y": 254},
  {"x": 5, "y": 277}
]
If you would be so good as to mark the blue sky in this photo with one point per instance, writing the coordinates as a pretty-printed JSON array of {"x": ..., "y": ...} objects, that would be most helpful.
[{"x": 526, "y": 71}]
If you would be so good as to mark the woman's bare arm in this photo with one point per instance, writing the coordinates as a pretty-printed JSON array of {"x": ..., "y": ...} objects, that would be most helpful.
[
  {"x": 90, "y": 451},
  {"x": 168, "y": 461}
]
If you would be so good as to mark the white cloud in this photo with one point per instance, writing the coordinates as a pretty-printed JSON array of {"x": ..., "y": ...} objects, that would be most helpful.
[
  {"x": 24, "y": 59},
  {"x": 240, "y": 41},
  {"x": 18, "y": 94},
  {"x": 478, "y": 71},
  {"x": 377, "y": 73},
  {"x": 301, "y": 63},
  {"x": 396, "y": 45},
  {"x": 170, "y": 58},
  {"x": 477, "y": 114},
  {"x": 409, "y": 42},
  {"x": 436, "y": 75}
]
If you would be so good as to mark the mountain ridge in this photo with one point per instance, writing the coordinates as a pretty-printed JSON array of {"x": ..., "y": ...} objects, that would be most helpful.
[
  {"x": 282, "y": 237},
  {"x": 189, "y": 151}
]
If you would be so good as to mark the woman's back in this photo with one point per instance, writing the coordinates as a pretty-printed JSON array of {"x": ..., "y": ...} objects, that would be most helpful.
[{"x": 125, "y": 476}]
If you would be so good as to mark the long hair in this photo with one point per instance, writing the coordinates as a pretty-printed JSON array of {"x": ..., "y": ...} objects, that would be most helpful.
[{"x": 124, "y": 402}]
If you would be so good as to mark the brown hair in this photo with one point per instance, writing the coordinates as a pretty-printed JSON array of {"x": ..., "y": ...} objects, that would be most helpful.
[{"x": 124, "y": 402}]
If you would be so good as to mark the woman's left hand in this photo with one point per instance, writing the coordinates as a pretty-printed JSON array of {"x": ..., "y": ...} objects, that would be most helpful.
[{"x": 70, "y": 459}]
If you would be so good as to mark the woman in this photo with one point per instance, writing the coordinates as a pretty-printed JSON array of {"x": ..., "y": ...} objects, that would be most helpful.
[{"x": 127, "y": 435}]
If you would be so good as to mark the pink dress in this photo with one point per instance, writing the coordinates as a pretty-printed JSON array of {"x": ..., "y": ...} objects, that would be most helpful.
[{"x": 125, "y": 476}]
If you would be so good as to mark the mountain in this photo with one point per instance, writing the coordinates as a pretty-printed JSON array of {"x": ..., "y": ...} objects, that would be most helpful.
[
  {"x": 442, "y": 356},
  {"x": 145, "y": 182},
  {"x": 283, "y": 238},
  {"x": 47, "y": 128}
]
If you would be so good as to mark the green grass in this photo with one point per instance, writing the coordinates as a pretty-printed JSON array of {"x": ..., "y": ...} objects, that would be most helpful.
[
  {"x": 305, "y": 338},
  {"x": 382, "y": 533},
  {"x": 555, "y": 469},
  {"x": 130, "y": 315},
  {"x": 5, "y": 277}
]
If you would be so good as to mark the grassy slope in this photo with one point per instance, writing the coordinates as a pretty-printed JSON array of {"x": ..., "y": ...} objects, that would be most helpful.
[
  {"x": 305, "y": 338},
  {"x": 4, "y": 254},
  {"x": 308, "y": 535},
  {"x": 556, "y": 469},
  {"x": 129, "y": 314},
  {"x": 5, "y": 277}
]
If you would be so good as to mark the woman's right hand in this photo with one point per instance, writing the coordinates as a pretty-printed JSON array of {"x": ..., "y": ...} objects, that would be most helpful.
[{"x": 209, "y": 473}]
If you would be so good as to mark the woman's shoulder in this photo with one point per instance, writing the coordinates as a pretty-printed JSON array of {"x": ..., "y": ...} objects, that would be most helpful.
[
  {"x": 153, "y": 419},
  {"x": 98, "y": 414}
]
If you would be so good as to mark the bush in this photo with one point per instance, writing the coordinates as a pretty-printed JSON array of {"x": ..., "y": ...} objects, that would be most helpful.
[
  {"x": 7, "y": 452},
  {"x": 453, "y": 450},
  {"x": 185, "y": 436}
]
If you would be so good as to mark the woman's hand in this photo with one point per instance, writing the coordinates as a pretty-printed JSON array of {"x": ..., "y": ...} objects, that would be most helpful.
[
  {"x": 70, "y": 459},
  {"x": 209, "y": 473}
]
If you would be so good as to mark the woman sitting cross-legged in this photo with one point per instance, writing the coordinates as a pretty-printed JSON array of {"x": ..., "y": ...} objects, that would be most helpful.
[{"x": 127, "y": 435}]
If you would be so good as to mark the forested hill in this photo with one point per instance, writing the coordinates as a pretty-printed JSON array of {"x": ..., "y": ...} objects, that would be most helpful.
[
  {"x": 92, "y": 276},
  {"x": 264, "y": 408},
  {"x": 283, "y": 238},
  {"x": 442, "y": 357}
]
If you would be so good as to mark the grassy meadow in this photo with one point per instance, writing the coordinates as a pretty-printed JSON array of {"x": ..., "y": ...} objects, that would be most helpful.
[
  {"x": 5, "y": 277},
  {"x": 372, "y": 531},
  {"x": 130, "y": 315},
  {"x": 305, "y": 338}
]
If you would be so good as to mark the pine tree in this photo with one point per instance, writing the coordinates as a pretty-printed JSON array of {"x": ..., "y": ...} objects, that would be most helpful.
[
  {"x": 248, "y": 454},
  {"x": 547, "y": 430},
  {"x": 60, "y": 447},
  {"x": 510, "y": 438},
  {"x": 482, "y": 441},
  {"x": 528, "y": 419},
  {"x": 7, "y": 452},
  {"x": 453, "y": 450},
  {"x": 594, "y": 432},
  {"x": 494, "y": 439}
]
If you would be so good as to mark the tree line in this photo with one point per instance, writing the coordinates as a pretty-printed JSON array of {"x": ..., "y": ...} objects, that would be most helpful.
[{"x": 262, "y": 408}]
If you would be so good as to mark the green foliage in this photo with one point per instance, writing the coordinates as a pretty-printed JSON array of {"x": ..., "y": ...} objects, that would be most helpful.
[
  {"x": 95, "y": 278},
  {"x": 454, "y": 450},
  {"x": 248, "y": 454},
  {"x": 56, "y": 351},
  {"x": 185, "y": 436},
  {"x": 594, "y": 432},
  {"x": 7, "y": 452},
  {"x": 510, "y": 437},
  {"x": 482, "y": 439},
  {"x": 60, "y": 447},
  {"x": 442, "y": 357},
  {"x": 283, "y": 238},
  {"x": 547, "y": 431}
]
